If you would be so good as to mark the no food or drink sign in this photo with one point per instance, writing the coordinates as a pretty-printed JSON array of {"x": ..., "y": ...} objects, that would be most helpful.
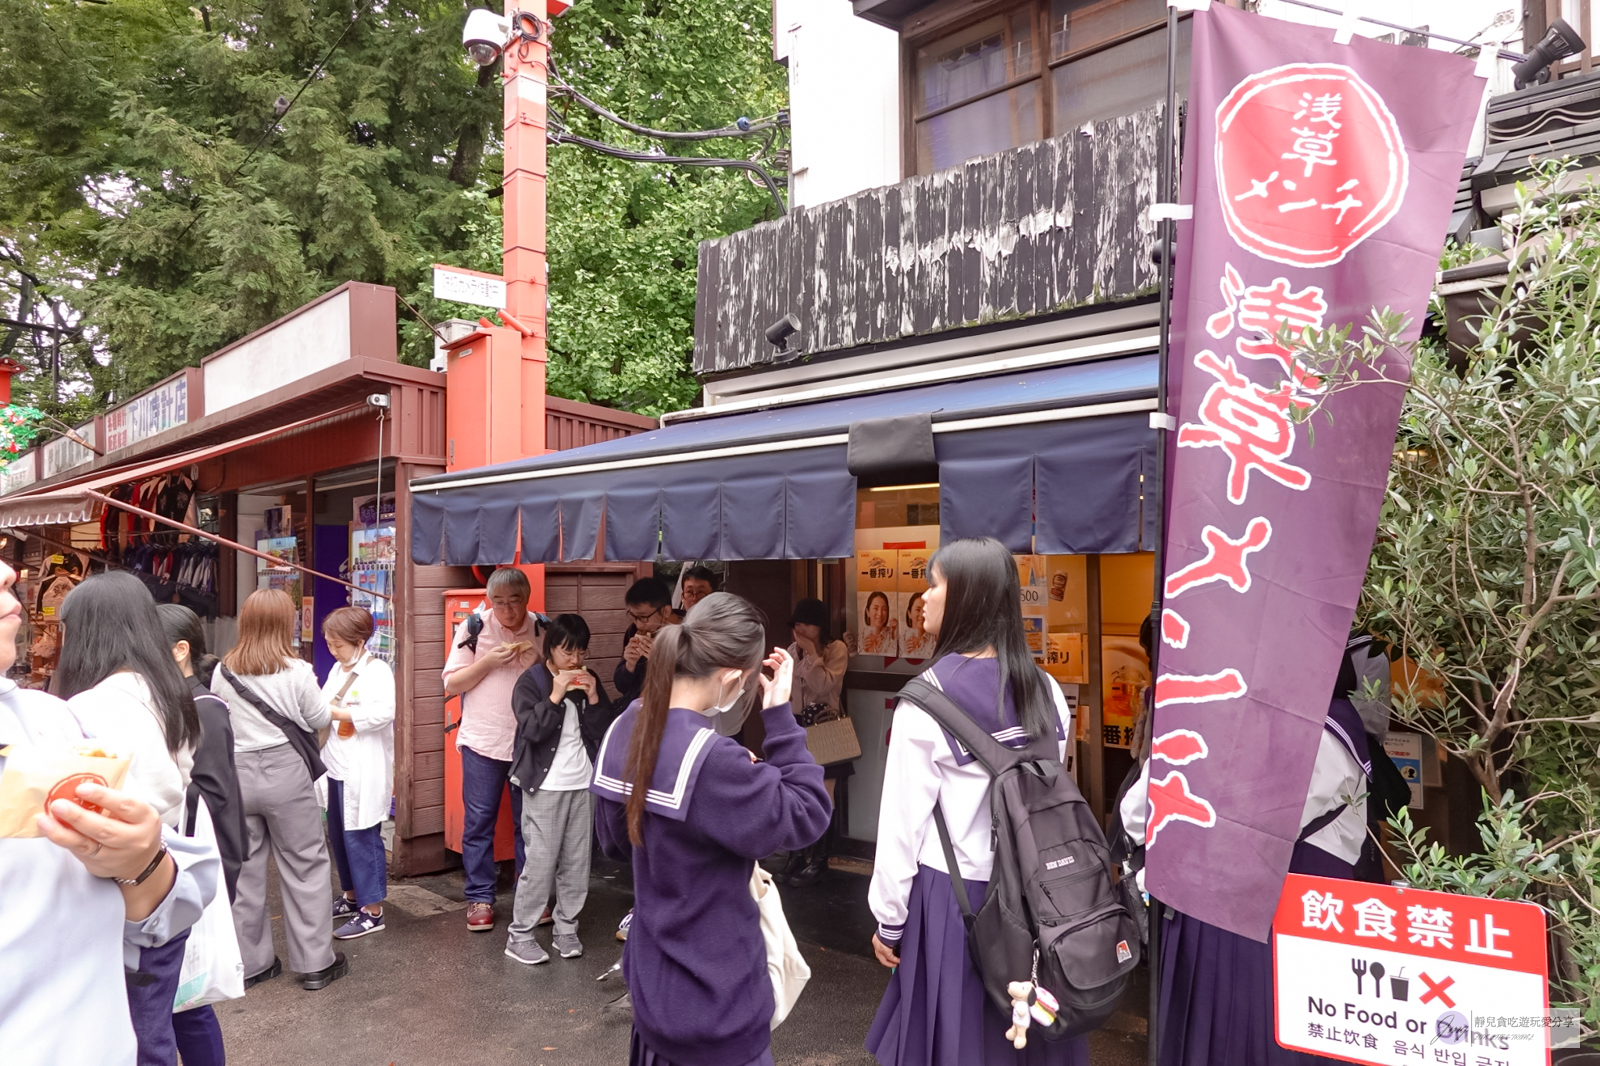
[{"x": 1401, "y": 977}]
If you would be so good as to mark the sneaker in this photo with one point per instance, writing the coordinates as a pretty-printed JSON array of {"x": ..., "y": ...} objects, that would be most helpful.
[
  {"x": 360, "y": 925},
  {"x": 344, "y": 908},
  {"x": 568, "y": 945},
  {"x": 323, "y": 978},
  {"x": 480, "y": 917},
  {"x": 623, "y": 927},
  {"x": 546, "y": 918},
  {"x": 528, "y": 952}
]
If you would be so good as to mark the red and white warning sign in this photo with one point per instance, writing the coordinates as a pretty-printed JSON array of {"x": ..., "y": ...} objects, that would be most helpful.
[{"x": 1401, "y": 977}]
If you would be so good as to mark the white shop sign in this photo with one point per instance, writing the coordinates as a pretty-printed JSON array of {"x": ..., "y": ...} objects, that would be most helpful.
[
  {"x": 64, "y": 453},
  {"x": 19, "y": 473},
  {"x": 1402, "y": 977},
  {"x": 156, "y": 411},
  {"x": 469, "y": 286}
]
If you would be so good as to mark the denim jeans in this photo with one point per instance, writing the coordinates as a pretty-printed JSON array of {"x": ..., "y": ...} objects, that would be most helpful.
[
  {"x": 358, "y": 853},
  {"x": 483, "y": 781},
  {"x": 199, "y": 1037}
]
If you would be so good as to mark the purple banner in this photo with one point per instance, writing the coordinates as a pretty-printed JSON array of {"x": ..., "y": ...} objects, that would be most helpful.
[{"x": 1322, "y": 178}]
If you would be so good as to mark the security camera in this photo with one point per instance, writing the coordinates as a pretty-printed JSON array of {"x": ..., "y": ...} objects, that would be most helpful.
[
  {"x": 379, "y": 400},
  {"x": 485, "y": 35},
  {"x": 780, "y": 331}
]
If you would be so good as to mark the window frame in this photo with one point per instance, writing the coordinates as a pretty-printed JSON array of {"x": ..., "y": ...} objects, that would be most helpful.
[{"x": 948, "y": 18}]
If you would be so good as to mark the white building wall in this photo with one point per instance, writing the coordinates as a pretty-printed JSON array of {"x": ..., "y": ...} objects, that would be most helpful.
[{"x": 844, "y": 99}]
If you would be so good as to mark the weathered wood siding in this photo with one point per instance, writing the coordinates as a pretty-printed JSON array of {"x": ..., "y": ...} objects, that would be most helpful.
[{"x": 1047, "y": 227}]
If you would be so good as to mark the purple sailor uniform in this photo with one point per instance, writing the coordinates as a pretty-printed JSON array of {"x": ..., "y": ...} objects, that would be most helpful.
[{"x": 696, "y": 963}]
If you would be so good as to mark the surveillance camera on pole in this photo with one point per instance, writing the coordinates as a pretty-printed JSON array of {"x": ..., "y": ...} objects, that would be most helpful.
[{"x": 485, "y": 35}]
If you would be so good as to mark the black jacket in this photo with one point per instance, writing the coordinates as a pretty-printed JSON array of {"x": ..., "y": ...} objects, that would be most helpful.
[
  {"x": 539, "y": 724},
  {"x": 629, "y": 683},
  {"x": 216, "y": 779}
]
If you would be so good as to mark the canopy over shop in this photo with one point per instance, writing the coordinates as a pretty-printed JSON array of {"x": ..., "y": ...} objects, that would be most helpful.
[{"x": 819, "y": 499}]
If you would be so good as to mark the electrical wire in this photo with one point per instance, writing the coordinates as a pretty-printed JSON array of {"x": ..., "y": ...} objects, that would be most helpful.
[
  {"x": 561, "y": 136},
  {"x": 749, "y": 128}
]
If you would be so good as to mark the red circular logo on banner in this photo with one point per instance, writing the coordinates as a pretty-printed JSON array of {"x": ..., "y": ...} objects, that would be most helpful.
[
  {"x": 1309, "y": 163},
  {"x": 67, "y": 789}
]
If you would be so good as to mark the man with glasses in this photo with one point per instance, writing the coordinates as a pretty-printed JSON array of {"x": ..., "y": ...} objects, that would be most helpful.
[
  {"x": 649, "y": 604},
  {"x": 484, "y": 671}
]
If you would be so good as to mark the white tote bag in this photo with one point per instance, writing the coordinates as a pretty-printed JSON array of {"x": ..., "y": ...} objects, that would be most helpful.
[
  {"x": 785, "y": 966},
  {"x": 212, "y": 968}
]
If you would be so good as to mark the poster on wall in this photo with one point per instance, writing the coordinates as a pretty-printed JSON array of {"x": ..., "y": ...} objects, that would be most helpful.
[
  {"x": 911, "y": 584},
  {"x": 1124, "y": 676},
  {"x": 1064, "y": 658},
  {"x": 1067, "y": 598},
  {"x": 877, "y": 574},
  {"x": 1034, "y": 576},
  {"x": 1405, "y": 749}
]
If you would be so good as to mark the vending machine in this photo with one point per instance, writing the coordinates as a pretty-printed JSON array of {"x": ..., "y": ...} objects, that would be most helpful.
[{"x": 459, "y": 603}]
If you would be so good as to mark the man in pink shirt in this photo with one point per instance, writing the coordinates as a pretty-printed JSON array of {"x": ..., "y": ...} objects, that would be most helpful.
[{"x": 484, "y": 677}]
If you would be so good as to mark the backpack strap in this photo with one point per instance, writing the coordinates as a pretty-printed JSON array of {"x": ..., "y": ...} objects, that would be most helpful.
[{"x": 967, "y": 917}]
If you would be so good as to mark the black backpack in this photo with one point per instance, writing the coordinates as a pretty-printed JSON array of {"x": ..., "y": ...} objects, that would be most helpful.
[{"x": 1051, "y": 914}]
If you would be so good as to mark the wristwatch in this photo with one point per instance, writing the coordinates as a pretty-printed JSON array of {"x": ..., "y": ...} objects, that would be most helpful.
[{"x": 132, "y": 882}]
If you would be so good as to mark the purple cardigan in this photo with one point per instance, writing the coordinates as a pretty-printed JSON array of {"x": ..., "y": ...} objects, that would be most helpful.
[{"x": 696, "y": 963}]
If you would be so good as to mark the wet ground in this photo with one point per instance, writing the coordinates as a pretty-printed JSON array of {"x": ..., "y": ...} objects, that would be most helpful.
[{"x": 427, "y": 991}]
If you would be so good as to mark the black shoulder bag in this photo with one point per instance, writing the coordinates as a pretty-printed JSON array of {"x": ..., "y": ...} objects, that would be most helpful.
[{"x": 303, "y": 741}]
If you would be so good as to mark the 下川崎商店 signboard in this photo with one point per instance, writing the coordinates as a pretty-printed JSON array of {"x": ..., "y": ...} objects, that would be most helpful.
[
  {"x": 468, "y": 286},
  {"x": 1400, "y": 977}
]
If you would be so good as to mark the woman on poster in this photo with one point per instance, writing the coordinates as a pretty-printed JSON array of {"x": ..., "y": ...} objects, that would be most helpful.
[{"x": 878, "y": 626}]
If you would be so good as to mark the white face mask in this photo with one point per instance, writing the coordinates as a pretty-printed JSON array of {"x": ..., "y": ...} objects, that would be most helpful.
[{"x": 725, "y": 718}]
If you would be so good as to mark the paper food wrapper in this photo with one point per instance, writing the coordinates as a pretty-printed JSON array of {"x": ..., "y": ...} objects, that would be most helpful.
[{"x": 35, "y": 778}]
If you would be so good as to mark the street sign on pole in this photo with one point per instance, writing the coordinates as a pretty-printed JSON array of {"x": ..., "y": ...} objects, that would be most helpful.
[
  {"x": 1401, "y": 977},
  {"x": 469, "y": 286}
]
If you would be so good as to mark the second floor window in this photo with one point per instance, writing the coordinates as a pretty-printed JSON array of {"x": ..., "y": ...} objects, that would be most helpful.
[{"x": 1022, "y": 72}]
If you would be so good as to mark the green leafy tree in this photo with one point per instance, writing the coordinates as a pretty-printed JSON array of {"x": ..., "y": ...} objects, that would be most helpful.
[
  {"x": 1486, "y": 573},
  {"x": 154, "y": 200}
]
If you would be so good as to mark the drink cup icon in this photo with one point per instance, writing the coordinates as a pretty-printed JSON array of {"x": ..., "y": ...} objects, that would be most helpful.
[{"x": 1400, "y": 987}]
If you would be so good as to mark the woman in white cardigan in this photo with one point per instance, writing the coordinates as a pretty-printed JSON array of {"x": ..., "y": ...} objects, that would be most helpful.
[{"x": 360, "y": 761}]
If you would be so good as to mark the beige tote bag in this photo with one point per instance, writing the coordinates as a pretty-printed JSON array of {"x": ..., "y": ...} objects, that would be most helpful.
[{"x": 785, "y": 966}]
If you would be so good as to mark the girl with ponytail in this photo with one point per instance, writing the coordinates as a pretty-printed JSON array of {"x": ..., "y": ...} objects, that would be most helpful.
[{"x": 693, "y": 810}]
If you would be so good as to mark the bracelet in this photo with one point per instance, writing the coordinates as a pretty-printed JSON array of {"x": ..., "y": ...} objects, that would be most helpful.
[{"x": 134, "y": 882}]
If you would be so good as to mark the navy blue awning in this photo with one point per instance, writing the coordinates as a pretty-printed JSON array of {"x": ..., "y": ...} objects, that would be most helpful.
[{"x": 1046, "y": 459}]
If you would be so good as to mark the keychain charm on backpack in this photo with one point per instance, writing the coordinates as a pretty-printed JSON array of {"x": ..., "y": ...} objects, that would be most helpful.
[{"x": 1029, "y": 1003}]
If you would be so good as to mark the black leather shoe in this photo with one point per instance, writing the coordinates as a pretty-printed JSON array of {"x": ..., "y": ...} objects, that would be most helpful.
[
  {"x": 265, "y": 975},
  {"x": 323, "y": 978},
  {"x": 808, "y": 874}
]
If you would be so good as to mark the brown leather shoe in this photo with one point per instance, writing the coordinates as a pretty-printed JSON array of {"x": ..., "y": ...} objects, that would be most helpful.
[{"x": 480, "y": 917}]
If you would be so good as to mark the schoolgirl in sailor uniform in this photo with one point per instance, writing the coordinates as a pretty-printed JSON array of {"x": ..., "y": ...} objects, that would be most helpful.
[
  {"x": 1216, "y": 986},
  {"x": 696, "y": 963},
  {"x": 935, "y": 1011}
]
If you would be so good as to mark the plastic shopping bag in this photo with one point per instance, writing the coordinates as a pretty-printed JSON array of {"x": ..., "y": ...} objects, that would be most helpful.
[{"x": 213, "y": 970}]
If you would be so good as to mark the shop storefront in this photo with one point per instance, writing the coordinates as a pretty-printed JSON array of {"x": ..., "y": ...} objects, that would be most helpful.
[
  {"x": 798, "y": 495},
  {"x": 298, "y": 443}
]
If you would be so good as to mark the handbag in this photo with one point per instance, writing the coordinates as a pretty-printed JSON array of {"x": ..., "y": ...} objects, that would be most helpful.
[
  {"x": 212, "y": 967},
  {"x": 833, "y": 741},
  {"x": 785, "y": 965},
  {"x": 346, "y": 729},
  {"x": 303, "y": 741}
]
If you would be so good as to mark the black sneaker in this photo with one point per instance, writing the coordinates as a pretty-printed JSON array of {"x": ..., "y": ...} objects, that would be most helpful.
[
  {"x": 323, "y": 978},
  {"x": 344, "y": 908},
  {"x": 265, "y": 975}
]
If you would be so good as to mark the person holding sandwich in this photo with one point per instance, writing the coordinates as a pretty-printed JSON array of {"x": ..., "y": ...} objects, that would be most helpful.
[
  {"x": 482, "y": 670},
  {"x": 562, "y": 715}
]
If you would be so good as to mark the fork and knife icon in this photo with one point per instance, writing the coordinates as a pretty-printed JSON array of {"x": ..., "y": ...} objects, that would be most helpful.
[{"x": 1376, "y": 970}]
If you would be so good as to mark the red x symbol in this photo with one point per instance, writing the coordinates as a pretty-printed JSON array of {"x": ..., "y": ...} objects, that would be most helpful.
[{"x": 1436, "y": 990}]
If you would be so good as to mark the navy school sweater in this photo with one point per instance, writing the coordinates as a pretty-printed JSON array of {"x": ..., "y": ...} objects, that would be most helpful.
[{"x": 696, "y": 963}]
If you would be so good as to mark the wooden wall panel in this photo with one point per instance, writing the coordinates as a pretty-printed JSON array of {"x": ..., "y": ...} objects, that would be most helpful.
[{"x": 1036, "y": 230}]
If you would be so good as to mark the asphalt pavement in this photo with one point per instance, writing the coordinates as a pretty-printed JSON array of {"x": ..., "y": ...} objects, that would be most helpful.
[{"x": 427, "y": 991}]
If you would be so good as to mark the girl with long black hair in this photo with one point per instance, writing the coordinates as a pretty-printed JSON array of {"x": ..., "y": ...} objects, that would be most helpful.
[
  {"x": 693, "y": 811},
  {"x": 117, "y": 673},
  {"x": 935, "y": 1011}
]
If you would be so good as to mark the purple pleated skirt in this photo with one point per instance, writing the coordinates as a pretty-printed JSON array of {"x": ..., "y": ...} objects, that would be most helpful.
[
  {"x": 935, "y": 1011},
  {"x": 640, "y": 1055},
  {"x": 1216, "y": 988}
]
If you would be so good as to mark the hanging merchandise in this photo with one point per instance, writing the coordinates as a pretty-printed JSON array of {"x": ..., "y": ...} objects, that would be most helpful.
[{"x": 372, "y": 564}]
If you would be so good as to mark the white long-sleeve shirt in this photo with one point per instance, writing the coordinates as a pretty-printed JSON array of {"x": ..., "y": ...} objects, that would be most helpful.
[
  {"x": 364, "y": 762},
  {"x": 122, "y": 712},
  {"x": 922, "y": 770},
  {"x": 1336, "y": 780}
]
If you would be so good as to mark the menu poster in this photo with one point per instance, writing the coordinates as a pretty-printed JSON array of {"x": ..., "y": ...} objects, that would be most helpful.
[
  {"x": 1067, "y": 596},
  {"x": 1064, "y": 658},
  {"x": 1124, "y": 677},
  {"x": 877, "y": 574},
  {"x": 1034, "y": 576},
  {"x": 912, "y": 581}
]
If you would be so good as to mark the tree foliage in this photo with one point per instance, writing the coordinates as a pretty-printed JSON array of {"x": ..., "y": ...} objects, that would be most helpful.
[
  {"x": 1486, "y": 574},
  {"x": 152, "y": 198}
]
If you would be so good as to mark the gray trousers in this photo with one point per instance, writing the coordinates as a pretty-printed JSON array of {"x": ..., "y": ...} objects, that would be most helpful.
[
  {"x": 281, "y": 812},
  {"x": 557, "y": 828}
]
